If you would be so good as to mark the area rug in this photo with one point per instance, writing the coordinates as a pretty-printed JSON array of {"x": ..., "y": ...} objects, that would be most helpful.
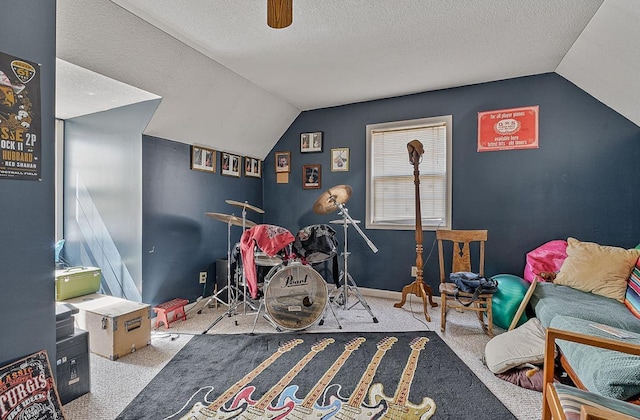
[{"x": 330, "y": 375}]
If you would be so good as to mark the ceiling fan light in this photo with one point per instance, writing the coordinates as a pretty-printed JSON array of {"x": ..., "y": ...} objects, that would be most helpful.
[{"x": 279, "y": 13}]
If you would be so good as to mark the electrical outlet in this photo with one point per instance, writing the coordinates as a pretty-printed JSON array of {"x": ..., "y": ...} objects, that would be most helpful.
[
  {"x": 414, "y": 271},
  {"x": 203, "y": 277}
]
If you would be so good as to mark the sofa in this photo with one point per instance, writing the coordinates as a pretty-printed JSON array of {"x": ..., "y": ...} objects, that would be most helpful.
[
  {"x": 561, "y": 401},
  {"x": 592, "y": 287},
  {"x": 562, "y": 305}
]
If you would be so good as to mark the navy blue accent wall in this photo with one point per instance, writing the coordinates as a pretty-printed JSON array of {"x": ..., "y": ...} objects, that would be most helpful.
[
  {"x": 579, "y": 183},
  {"x": 27, "y": 314},
  {"x": 178, "y": 240}
]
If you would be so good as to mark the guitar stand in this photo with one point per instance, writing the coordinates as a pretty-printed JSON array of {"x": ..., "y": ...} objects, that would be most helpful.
[{"x": 348, "y": 285}]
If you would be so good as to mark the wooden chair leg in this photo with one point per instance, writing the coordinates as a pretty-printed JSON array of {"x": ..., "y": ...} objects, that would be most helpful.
[
  {"x": 443, "y": 311},
  {"x": 490, "y": 317},
  {"x": 479, "y": 312}
]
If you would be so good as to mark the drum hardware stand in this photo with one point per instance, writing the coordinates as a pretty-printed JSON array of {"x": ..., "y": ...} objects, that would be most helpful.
[
  {"x": 348, "y": 284},
  {"x": 232, "y": 295},
  {"x": 244, "y": 206}
]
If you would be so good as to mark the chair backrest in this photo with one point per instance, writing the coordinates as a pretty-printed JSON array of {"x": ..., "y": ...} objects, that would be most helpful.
[{"x": 461, "y": 260}]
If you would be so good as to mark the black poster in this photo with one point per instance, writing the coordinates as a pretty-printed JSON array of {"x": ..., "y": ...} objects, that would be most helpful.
[
  {"x": 20, "y": 119},
  {"x": 28, "y": 391}
]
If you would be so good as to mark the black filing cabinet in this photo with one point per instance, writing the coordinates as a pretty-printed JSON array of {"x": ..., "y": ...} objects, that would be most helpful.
[{"x": 72, "y": 366}]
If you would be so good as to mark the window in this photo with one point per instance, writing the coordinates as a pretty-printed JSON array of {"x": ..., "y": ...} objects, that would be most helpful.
[{"x": 390, "y": 179}]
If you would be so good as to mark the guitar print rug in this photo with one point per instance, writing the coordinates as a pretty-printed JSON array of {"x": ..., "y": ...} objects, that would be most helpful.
[{"x": 344, "y": 376}]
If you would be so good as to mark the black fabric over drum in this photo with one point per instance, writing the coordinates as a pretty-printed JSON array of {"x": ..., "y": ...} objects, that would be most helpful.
[{"x": 317, "y": 243}]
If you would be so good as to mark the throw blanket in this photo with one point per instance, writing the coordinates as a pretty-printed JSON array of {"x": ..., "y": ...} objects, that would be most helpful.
[{"x": 270, "y": 239}]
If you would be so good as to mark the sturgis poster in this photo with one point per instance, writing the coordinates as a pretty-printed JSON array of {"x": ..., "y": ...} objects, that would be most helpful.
[
  {"x": 27, "y": 390},
  {"x": 20, "y": 119}
]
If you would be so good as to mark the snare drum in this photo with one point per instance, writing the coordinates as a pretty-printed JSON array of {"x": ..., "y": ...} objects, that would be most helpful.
[
  {"x": 263, "y": 260},
  {"x": 316, "y": 243},
  {"x": 295, "y": 296}
]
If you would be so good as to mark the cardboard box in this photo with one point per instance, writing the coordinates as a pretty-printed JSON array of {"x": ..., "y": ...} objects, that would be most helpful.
[
  {"x": 77, "y": 281},
  {"x": 116, "y": 326}
]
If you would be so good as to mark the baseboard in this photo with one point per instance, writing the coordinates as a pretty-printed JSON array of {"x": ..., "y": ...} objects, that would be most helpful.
[
  {"x": 384, "y": 294},
  {"x": 388, "y": 294}
]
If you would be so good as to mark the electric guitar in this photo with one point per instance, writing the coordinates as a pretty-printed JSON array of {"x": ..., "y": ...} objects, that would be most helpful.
[
  {"x": 399, "y": 407},
  {"x": 200, "y": 412},
  {"x": 257, "y": 409},
  {"x": 305, "y": 409},
  {"x": 354, "y": 407}
]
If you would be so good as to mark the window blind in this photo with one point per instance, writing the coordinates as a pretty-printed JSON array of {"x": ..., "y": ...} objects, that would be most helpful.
[{"x": 392, "y": 180}]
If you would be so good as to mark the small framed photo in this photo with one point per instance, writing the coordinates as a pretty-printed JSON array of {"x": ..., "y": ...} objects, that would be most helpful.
[
  {"x": 311, "y": 142},
  {"x": 203, "y": 159},
  {"x": 283, "y": 161},
  {"x": 230, "y": 164},
  {"x": 340, "y": 159},
  {"x": 311, "y": 176},
  {"x": 252, "y": 167}
]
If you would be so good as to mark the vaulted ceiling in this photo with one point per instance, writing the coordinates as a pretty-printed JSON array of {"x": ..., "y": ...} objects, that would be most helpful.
[{"x": 230, "y": 82}]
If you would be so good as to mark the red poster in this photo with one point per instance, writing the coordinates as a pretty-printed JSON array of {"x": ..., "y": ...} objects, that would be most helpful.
[{"x": 508, "y": 129}]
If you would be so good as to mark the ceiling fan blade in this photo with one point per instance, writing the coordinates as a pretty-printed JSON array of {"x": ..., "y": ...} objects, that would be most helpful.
[{"x": 279, "y": 13}]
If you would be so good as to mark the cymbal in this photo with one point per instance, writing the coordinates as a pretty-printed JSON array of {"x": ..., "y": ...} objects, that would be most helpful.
[
  {"x": 230, "y": 218},
  {"x": 329, "y": 200},
  {"x": 245, "y": 205},
  {"x": 341, "y": 221}
]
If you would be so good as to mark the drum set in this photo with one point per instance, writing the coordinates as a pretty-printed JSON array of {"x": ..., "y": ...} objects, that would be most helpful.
[{"x": 292, "y": 295}]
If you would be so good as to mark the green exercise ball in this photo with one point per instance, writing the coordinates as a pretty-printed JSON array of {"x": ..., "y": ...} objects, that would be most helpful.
[{"x": 505, "y": 302}]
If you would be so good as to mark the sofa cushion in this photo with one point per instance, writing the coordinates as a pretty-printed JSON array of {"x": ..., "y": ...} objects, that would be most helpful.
[
  {"x": 550, "y": 300},
  {"x": 632, "y": 297},
  {"x": 606, "y": 372},
  {"x": 602, "y": 270}
]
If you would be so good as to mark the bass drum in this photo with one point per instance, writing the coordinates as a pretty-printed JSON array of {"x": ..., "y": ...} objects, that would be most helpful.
[{"x": 295, "y": 296}]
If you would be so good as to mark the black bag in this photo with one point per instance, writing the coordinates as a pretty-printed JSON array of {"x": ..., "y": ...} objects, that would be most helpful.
[{"x": 472, "y": 283}]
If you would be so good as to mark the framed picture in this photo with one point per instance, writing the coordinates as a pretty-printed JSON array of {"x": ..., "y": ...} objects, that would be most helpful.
[
  {"x": 340, "y": 159},
  {"x": 230, "y": 164},
  {"x": 283, "y": 161},
  {"x": 252, "y": 167},
  {"x": 311, "y": 176},
  {"x": 311, "y": 142},
  {"x": 203, "y": 159}
]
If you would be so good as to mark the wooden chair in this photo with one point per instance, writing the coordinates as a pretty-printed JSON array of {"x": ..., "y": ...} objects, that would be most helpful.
[
  {"x": 561, "y": 401},
  {"x": 461, "y": 261}
]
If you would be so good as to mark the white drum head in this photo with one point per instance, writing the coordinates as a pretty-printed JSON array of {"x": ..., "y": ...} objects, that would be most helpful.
[{"x": 295, "y": 296}]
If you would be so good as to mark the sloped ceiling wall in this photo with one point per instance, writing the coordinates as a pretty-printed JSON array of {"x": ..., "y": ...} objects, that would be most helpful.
[
  {"x": 212, "y": 106},
  {"x": 605, "y": 60}
]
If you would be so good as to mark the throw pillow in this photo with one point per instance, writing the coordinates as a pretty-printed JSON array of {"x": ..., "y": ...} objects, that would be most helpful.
[
  {"x": 601, "y": 270},
  {"x": 632, "y": 297},
  {"x": 521, "y": 346}
]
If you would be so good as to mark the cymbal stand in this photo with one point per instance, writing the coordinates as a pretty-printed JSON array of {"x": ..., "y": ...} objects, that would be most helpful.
[
  {"x": 232, "y": 295},
  {"x": 348, "y": 284},
  {"x": 244, "y": 279}
]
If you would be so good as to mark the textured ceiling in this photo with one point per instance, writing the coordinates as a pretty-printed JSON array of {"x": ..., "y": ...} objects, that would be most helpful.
[{"x": 230, "y": 82}]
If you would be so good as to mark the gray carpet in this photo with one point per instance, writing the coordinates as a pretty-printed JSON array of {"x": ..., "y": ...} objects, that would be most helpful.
[{"x": 270, "y": 374}]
